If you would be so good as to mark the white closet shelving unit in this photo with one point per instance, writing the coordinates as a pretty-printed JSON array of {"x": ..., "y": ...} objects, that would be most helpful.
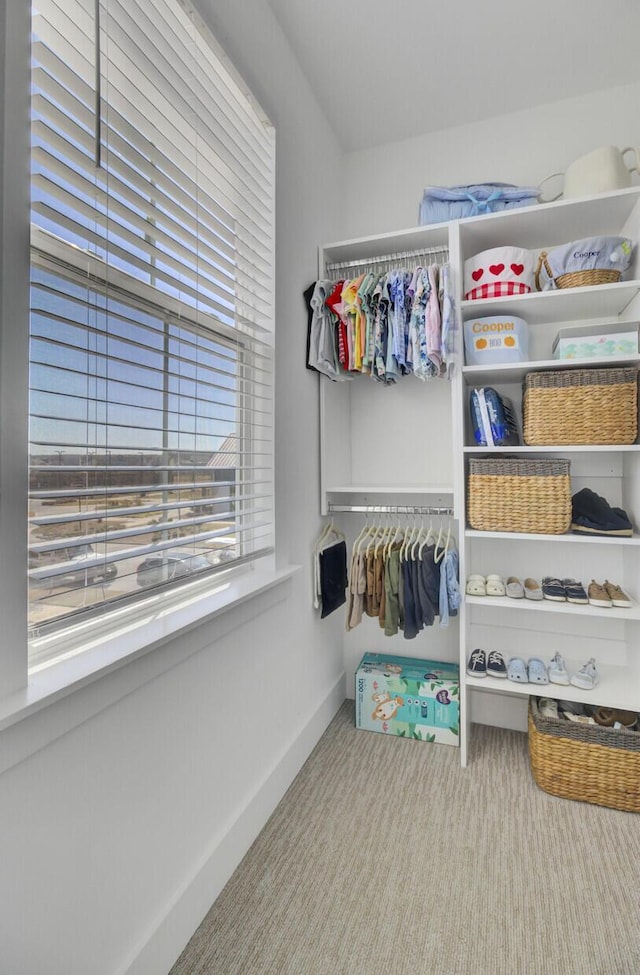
[{"x": 359, "y": 429}]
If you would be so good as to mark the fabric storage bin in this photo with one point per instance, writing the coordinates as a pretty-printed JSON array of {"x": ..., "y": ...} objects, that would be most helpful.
[
  {"x": 519, "y": 495},
  {"x": 497, "y": 272},
  {"x": 585, "y": 762},
  {"x": 441, "y": 203},
  {"x": 583, "y": 263},
  {"x": 496, "y": 338},
  {"x": 580, "y": 406}
]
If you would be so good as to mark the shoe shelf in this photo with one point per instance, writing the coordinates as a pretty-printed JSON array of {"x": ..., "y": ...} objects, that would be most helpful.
[
  {"x": 613, "y": 690},
  {"x": 549, "y": 606}
]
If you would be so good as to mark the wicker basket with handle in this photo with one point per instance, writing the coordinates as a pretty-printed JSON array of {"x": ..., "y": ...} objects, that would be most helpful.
[
  {"x": 580, "y": 406},
  {"x": 575, "y": 279},
  {"x": 582, "y": 263},
  {"x": 519, "y": 495},
  {"x": 585, "y": 762}
]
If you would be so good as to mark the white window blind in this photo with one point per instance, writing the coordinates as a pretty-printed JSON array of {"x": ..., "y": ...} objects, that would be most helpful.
[{"x": 151, "y": 408}]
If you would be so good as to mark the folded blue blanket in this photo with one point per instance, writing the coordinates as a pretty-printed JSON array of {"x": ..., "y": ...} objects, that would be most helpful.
[{"x": 440, "y": 203}]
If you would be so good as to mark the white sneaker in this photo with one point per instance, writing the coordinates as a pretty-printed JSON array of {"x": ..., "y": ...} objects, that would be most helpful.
[
  {"x": 548, "y": 707},
  {"x": 587, "y": 677},
  {"x": 558, "y": 673}
]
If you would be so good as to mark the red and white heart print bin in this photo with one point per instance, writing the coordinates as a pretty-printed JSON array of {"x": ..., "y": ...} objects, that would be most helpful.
[{"x": 497, "y": 272}]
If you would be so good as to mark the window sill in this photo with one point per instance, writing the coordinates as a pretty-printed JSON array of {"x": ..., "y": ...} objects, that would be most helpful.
[{"x": 111, "y": 664}]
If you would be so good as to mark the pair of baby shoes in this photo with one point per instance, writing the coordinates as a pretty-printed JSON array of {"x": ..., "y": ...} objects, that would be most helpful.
[
  {"x": 608, "y": 594},
  {"x": 586, "y": 678},
  {"x": 483, "y": 664},
  {"x": 491, "y": 585},
  {"x": 564, "y": 590},
  {"x": 531, "y": 672},
  {"x": 530, "y": 589}
]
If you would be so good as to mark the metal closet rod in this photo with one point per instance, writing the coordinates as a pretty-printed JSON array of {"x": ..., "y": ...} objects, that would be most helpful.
[
  {"x": 394, "y": 509},
  {"x": 389, "y": 258}
]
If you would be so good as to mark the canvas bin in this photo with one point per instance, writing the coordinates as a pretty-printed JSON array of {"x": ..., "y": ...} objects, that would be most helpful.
[
  {"x": 498, "y": 272},
  {"x": 519, "y": 495},
  {"x": 580, "y": 406},
  {"x": 585, "y": 762},
  {"x": 583, "y": 263}
]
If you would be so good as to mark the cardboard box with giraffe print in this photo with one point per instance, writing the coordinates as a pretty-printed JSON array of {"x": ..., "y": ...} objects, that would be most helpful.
[{"x": 408, "y": 698}]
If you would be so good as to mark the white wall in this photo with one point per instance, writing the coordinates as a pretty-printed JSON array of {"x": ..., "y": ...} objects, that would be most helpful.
[
  {"x": 117, "y": 836},
  {"x": 384, "y": 186}
]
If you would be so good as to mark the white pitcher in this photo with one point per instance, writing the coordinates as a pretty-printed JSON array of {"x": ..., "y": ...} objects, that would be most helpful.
[{"x": 600, "y": 171}]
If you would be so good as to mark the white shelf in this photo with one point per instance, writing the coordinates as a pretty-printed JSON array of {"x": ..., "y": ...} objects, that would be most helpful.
[
  {"x": 549, "y": 606},
  {"x": 564, "y": 449},
  {"x": 390, "y": 489},
  {"x": 514, "y": 372},
  {"x": 397, "y": 242},
  {"x": 549, "y": 224},
  {"x": 569, "y": 537},
  {"x": 565, "y": 305},
  {"x": 613, "y": 690}
]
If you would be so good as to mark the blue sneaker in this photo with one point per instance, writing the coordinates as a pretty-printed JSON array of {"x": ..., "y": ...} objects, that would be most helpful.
[
  {"x": 477, "y": 665},
  {"x": 496, "y": 666}
]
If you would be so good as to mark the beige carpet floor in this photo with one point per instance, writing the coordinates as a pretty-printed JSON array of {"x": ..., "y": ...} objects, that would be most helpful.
[{"x": 387, "y": 858}]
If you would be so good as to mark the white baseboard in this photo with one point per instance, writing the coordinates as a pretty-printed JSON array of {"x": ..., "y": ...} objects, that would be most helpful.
[{"x": 163, "y": 943}]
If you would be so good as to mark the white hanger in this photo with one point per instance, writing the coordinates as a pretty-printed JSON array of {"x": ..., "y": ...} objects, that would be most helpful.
[
  {"x": 409, "y": 538},
  {"x": 376, "y": 533},
  {"x": 437, "y": 556},
  {"x": 394, "y": 537},
  {"x": 369, "y": 529},
  {"x": 361, "y": 536},
  {"x": 422, "y": 531},
  {"x": 386, "y": 531},
  {"x": 329, "y": 529},
  {"x": 427, "y": 539}
]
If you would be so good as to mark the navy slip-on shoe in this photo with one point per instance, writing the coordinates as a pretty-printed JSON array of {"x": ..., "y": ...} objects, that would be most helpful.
[
  {"x": 593, "y": 515},
  {"x": 575, "y": 591},
  {"x": 553, "y": 589}
]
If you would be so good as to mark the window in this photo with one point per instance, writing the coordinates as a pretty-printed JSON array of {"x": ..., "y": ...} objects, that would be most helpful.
[{"x": 151, "y": 416}]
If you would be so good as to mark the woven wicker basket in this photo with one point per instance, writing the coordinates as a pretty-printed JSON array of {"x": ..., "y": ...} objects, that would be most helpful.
[
  {"x": 576, "y": 279},
  {"x": 580, "y": 406},
  {"x": 585, "y": 762},
  {"x": 512, "y": 495}
]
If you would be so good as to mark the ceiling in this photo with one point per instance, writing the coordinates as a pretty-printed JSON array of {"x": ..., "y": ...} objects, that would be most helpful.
[{"x": 385, "y": 71}]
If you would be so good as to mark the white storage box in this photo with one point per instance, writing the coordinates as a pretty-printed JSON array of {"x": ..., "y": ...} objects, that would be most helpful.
[
  {"x": 496, "y": 338},
  {"x": 593, "y": 341}
]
